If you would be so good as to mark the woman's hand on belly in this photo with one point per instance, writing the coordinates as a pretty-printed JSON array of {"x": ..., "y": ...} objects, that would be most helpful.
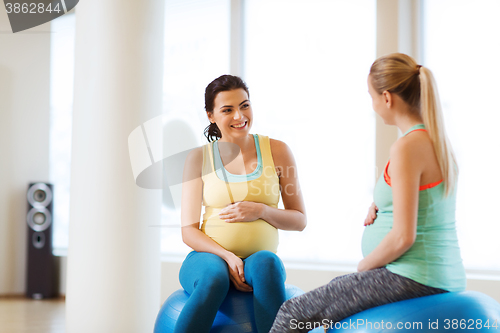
[
  {"x": 372, "y": 214},
  {"x": 237, "y": 272},
  {"x": 242, "y": 211}
]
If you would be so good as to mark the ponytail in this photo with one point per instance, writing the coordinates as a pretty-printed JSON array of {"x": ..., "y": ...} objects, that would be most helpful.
[
  {"x": 433, "y": 121},
  {"x": 212, "y": 132},
  {"x": 399, "y": 74}
]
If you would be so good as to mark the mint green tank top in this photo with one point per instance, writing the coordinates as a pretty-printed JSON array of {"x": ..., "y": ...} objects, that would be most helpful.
[{"x": 434, "y": 259}]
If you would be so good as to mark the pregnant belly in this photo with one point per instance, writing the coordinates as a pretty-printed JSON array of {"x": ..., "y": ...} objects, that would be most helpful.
[
  {"x": 373, "y": 234},
  {"x": 242, "y": 238}
]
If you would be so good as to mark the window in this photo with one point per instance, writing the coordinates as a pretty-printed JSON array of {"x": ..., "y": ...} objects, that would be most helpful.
[
  {"x": 62, "y": 46},
  {"x": 306, "y": 64},
  {"x": 196, "y": 52},
  {"x": 462, "y": 48}
]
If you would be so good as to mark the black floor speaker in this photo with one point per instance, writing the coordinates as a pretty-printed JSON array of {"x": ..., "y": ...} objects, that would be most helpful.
[{"x": 41, "y": 276}]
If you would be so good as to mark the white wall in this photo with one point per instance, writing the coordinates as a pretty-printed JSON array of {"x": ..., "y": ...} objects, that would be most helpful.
[{"x": 24, "y": 140}]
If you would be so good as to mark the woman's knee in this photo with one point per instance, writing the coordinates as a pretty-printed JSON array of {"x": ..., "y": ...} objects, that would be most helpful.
[
  {"x": 264, "y": 263},
  {"x": 205, "y": 270},
  {"x": 267, "y": 260}
]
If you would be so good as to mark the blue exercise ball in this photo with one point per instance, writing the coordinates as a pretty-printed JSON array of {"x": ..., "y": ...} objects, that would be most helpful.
[
  {"x": 235, "y": 315},
  {"x": 449, "y": 312}
]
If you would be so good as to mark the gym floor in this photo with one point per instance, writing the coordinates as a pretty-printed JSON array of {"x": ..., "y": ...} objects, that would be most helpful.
[{"x": 23, "y": 315}]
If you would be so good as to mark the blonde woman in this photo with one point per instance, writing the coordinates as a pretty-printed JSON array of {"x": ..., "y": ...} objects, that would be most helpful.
[{"x": 410, "y": 245}]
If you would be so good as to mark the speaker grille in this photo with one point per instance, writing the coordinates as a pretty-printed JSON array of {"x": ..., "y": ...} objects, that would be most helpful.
[
  {"x": 39, "y": 195},
  {"x": 39, "y": 218}
]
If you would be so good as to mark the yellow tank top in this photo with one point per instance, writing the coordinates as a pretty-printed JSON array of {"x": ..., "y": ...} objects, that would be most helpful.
[{"x": 241, "y": 238}]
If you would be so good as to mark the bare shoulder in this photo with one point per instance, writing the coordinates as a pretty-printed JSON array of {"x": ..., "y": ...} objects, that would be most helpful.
[
  {"x": 282, "y": 157},
  {"x": 195, "y": 155},
  {"x": 277, "y": 144},
  {"x": 413, "y": 148},
  {"x": 280, "y": 150},
  {"x": 194, "y": 162}
]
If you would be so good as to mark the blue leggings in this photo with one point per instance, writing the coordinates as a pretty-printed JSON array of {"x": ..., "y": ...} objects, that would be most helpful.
[{"x": 205, "y": 277}]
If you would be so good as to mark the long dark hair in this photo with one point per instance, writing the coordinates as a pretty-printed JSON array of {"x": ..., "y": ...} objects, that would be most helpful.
[{"x": 222, "y": 83}]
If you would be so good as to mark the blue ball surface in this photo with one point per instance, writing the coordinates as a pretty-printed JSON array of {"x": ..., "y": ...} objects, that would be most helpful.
[
  {"x": 451, "y": 312},
  {"x": 235, "y": 314}
]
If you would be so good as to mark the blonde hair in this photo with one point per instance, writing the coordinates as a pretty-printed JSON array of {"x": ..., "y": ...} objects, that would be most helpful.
[{"x": 400, "y": 74}]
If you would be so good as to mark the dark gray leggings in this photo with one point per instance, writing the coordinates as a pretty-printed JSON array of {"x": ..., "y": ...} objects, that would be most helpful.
[{"x": 346, "y": 295}]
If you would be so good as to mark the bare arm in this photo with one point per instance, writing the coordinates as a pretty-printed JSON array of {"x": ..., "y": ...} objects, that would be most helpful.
[
  {"x": 192, "y": 192},
  {"x": 405, "y": 171},
  {"x": 293, "y": 217}
]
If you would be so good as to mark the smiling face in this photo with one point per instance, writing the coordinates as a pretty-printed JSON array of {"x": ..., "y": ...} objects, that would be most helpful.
[{"x": 232, "y": 113}]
